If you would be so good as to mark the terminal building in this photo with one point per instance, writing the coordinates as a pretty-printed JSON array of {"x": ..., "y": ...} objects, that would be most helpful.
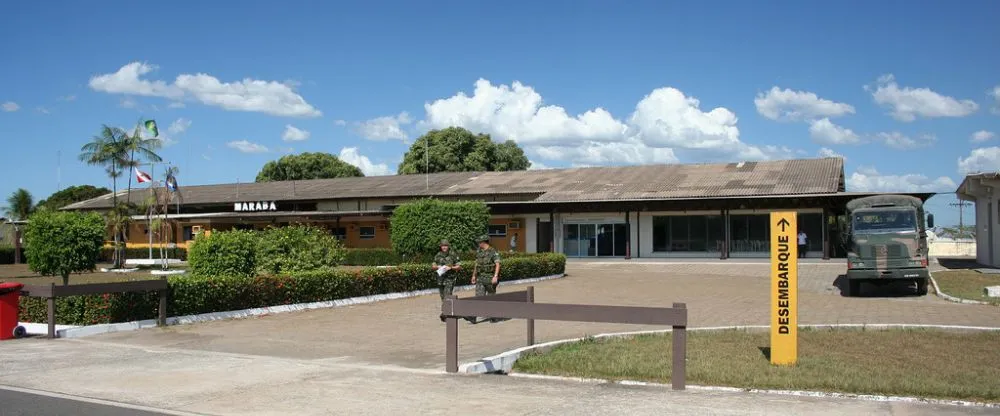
[
  {"x": 716, "y": 210},
  {"x": 983, "y": 190}
]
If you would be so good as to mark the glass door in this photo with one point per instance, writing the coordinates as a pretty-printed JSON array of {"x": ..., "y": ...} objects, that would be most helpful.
[
  {"x": 605, "y": 240},
  {"x": 588, "y": 240}
]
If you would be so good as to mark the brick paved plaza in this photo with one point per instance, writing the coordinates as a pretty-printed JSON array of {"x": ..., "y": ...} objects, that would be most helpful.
[{"x": 408, "y": 332}]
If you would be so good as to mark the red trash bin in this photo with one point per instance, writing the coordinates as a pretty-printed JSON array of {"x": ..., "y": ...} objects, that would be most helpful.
[{"x": 10, "y": 296}]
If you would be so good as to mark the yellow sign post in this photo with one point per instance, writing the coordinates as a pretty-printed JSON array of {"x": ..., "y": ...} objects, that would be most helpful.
[{"x": 784, "y": 288}]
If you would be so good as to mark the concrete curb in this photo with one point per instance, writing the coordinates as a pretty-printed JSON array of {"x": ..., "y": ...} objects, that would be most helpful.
[
  {"x": 504, "y": 362},
  {"x": 939, "y": 293},
  {"x": 84, "y": 331},
  {"x": 805, "y": 393},
  {"x": 42, "y": 329}
]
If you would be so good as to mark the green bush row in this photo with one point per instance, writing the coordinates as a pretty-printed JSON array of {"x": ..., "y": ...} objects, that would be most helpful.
[
  {"x": 107, "y": 253},
  {"x": 388, "y": 257},
  {"x": 191, "y": 294}
]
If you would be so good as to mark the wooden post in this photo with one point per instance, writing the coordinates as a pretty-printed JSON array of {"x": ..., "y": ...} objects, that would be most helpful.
[
  {"x": 451, "y": 349},
  {"x": 51, "y": 301},
  {"x": 17, "y": 245},
  {"x": 679, "y": 354},
  {"x": 162, "y": 310},
  {"x": 531, "y": 322}
]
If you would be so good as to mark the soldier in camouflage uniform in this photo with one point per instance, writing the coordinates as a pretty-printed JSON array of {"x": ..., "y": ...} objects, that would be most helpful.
[
  {"x": 486, "y": 273},
  {"x": 446, "y": 257}
]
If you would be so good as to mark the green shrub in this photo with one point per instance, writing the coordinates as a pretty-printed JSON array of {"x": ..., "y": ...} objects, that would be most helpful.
[
  {"x": 297, "y": 248},
  {"x": 60, "y": 243},
  {"x": 225, "y": 253},
  {"x": 387, "y": 257},
  {"x": 418, "y": 226},
  {"x": 194, "y": 294}
]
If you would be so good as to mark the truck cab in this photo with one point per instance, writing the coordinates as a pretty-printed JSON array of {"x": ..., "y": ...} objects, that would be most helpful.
[{"x": 888, "y": 242}]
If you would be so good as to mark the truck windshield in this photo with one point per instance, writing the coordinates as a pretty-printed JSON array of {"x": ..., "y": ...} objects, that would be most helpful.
[{"x": 885, "y": 221}]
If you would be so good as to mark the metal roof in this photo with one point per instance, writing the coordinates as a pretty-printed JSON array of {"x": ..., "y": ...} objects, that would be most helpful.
[{"x": 647, "y": 182}]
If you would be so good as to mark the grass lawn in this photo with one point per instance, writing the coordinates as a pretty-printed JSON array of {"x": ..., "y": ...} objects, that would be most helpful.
[
  {"x": 924, "y": 363},
  {"x": 20, "y": 273},
  {"x": 967, "y": 284}
]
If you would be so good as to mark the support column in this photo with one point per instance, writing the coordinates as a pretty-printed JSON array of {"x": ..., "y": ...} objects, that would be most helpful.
[
  {"x": 17, "y": 245},
  {"x": 826, "y": 235},
  {"x": 638, "y": 235},
  {"x": 552, "y": 231},
  {"x": 628, "y": 239},
  {"x": 724, "y": 250}
]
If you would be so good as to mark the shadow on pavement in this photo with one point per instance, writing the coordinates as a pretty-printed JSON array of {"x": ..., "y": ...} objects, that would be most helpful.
[
  {"x": 953, "y": 263},
  {"x": 894, "y": 289}
]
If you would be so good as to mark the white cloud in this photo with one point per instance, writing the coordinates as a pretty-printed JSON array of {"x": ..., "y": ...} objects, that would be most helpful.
[
  {"x": 384, "y": 128},
  {"x": 662, "y": 122},
  {"x": 985, "y": 159},
  {"x": 247, "y": 147},
  {"x": 176, "y": 104},
  {"x": 270, "y": 97},
  {"x": 10, "y": 106},
  {"x": 179, "y": 126},
  {"x": 906, "y": 104},
  {"x": 352, "y": 156},
  {"x": 537, "y": 165},
  {"x": 128, "y": 102},
  {"x": 778, "y": 104},
  {"x": 825, "y": 152},
  {"x": 42, "y": 110},
  {"x": 868, "y": 179},
  {"x": 631, "y": 152},
  {"x": 293, "y": 134},
  {"x": 823, "y": 131},
  {"x": 340, "y": 122},
  {"x": 982, "y": 136},
  {"x": 67, "y": 98},
  {"x": 897, "y": 140}
]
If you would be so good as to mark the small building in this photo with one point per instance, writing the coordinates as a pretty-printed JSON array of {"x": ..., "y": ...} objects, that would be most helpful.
[
  {"x": 983, "y": 190},
  {"x": 712, "y": 210}
]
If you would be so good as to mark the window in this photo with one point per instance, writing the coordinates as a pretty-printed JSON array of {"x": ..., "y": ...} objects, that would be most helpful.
[
  {"x": 497, "y": 230},
  {"x": 366, "y": 233},
  {"x": 339, "y": 233},
  {"x": 188, "y": 233}
]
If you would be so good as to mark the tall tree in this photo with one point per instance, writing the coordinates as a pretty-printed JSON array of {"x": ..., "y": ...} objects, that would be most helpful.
[
  {"x": 20, "y": 205},
  {"x": 456, "y": 149},
  {"x": 109, "y": 149},
  {"x": 309, "y": 165},
  {"x": 72, "y": 195}
]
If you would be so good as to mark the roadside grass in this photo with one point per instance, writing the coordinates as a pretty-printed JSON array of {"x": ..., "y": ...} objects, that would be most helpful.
[
  {"x": 967, "y": 284},
  {"x": 908, "y": 362}
]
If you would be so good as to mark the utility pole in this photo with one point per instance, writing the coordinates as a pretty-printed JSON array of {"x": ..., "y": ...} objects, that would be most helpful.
[{"x": 961, "y": 210}]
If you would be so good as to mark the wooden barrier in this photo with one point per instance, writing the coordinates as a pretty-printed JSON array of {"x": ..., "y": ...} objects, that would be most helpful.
[
  {"x": 53, "y": 291},
  {"x": 521, "y": 305}
]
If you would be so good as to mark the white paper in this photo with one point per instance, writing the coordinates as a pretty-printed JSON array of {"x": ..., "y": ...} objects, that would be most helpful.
[{"x": 442, "y": 269}]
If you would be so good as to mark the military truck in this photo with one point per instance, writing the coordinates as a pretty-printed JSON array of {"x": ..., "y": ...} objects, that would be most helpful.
[{"x": 887, "y": 240}]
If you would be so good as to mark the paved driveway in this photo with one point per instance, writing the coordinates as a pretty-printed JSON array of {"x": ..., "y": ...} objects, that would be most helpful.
[
  {"x": 387, "y": 358},
  {"x": 408, "y": 332}
]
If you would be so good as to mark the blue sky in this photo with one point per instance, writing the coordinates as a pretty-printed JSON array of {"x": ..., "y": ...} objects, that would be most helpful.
[{"x": 908, "y": 93}]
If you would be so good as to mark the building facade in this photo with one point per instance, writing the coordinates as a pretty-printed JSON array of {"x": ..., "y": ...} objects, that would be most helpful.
[{"x": 695, "y": 210}]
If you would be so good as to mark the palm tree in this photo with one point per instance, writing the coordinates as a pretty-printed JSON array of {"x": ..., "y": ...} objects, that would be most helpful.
[
  {"x": 108, "y": 149},
  {"x": 19, "y": 205},
  {"x": 144, "y": 147}
]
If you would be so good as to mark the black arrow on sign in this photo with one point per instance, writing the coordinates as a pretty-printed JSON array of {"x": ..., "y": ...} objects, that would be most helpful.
[{"x": 783, "y": 223}]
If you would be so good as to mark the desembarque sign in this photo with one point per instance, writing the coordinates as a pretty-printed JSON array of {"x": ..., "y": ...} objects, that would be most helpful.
[{"x": 255, "y": 206}]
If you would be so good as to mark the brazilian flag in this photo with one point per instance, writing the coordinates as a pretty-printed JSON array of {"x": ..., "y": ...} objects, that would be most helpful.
[{"x": 151, "y": 126}]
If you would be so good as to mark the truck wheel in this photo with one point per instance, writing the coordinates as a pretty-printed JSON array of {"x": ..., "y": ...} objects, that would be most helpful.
[
  {"x": 853, "y": 287},
  {"x": 922, "y": 287},
  {"x": 20, "y": 332}
]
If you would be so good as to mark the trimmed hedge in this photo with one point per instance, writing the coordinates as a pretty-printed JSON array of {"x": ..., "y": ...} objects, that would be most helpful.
[
  {"x": 195, "y": 294},
  {"x": 419, "y": 226},
  {"x": 387, "y": 257}
]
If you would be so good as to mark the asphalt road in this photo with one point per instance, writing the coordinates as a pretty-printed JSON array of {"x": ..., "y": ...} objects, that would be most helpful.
[{"x": 20, "y": 403}]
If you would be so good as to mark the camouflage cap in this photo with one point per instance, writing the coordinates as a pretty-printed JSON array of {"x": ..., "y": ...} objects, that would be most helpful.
[
  {"x": 444, "y": 243},
  {"x": 483, "y": 238}
]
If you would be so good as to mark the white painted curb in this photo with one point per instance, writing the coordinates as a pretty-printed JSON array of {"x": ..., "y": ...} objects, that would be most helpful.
[
  {"x": 504, "y": 361},
  {"x": 806, "y": 393},
  {"x": 42, "y": 329},
  {"x": 937, "y": 291},
  {"x": 84, "y": 331}
]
